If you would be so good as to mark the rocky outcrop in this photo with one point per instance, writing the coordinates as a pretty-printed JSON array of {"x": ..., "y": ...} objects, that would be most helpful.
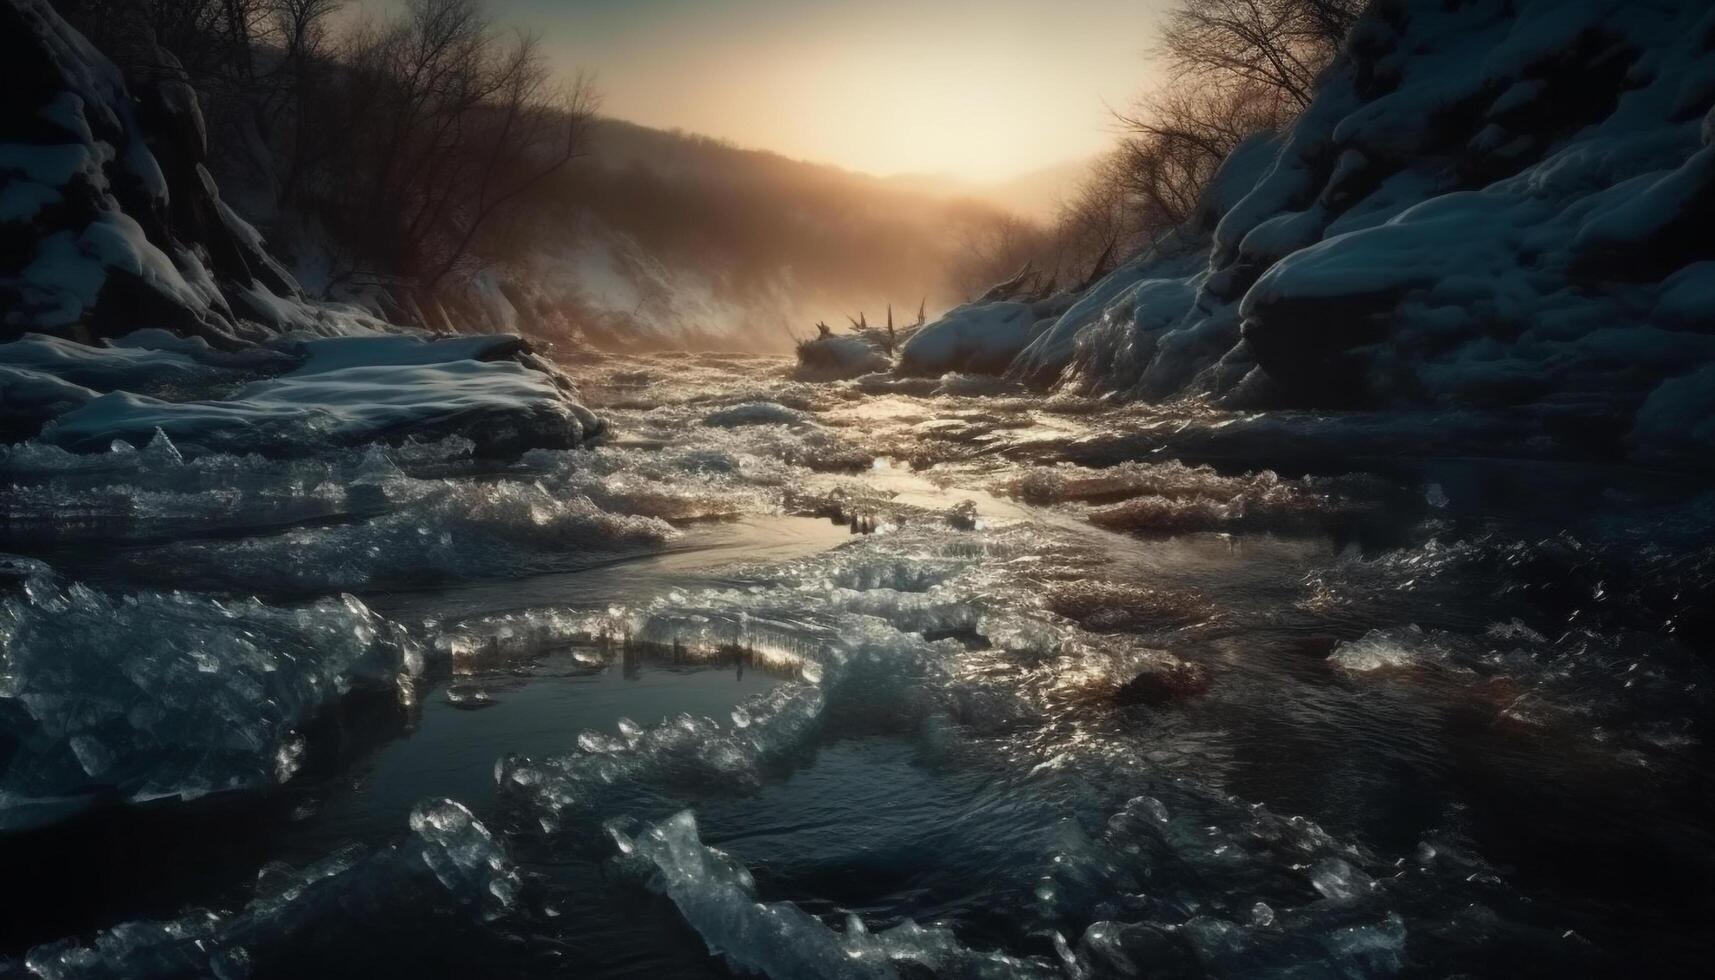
[
  {"x": 1494, "y": 206},
  {"x": 110, "y": 220},
  {"x": 114, "y": 240}
]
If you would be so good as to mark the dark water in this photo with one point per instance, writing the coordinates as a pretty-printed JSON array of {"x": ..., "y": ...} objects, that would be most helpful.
[
  {"x": 146, "y": 864},
  {"x": 1420, "y": 717}
]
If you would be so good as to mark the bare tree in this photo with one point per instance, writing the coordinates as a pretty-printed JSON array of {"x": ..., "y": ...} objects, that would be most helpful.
[
  {"x": 993, "y": 248},
  {"x": 1177, "y": 139},
  {"x": 448, "y": 125},
  {"x": 1236, "y": 68},
  {"x": 534, "y": 130},
  {"x": 210, "y": 39},
  {"x": 1282, "y": 45}
]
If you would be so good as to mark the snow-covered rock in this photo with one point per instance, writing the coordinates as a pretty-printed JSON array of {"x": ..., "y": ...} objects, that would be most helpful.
[
  {"x": 1495, "y": 206},
  {"x": 112, "y": 218},
  {"x": 132, "y": 298},
  {"x": 976, "y": 338}
]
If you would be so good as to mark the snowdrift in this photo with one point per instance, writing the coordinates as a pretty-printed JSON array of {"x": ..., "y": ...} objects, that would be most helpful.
[
  {"x": 1498, "y": 206},
  {"x": 133, "y": 299},
  {"x": 981, "y": 337}
]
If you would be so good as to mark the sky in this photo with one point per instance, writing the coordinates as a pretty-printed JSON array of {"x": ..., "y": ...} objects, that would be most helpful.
[{"x": 977, "y": 91}]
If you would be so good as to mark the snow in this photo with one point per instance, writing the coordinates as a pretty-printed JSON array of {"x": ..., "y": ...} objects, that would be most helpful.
[
  {"x": 100, "y": 252},
  {"x": 1647, "y": 206},
  {"x": 110, "y": 368},
  {"x": 34, "y": 174},
  {"x": 1688, "y": 296},
  {"x": 31, "y": 397},
  {"x": 1460, "y": 219},
  {"x": 978, "y": 338},
  {"x": 51, "y": 165},
  {"x": 503, "y": 405},
  {"x": 1676, "y": 423},
  {"x": 253, "y": 358}
]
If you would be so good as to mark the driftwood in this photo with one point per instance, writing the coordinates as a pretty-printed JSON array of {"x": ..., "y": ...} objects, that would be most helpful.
[
  {"x": 1104, "y": 264},
  {"x": 1010, "y": 288},
  {"x": 1028, "y": 285}
]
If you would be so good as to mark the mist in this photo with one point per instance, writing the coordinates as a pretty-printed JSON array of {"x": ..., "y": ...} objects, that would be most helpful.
[{"x": 669, "y": 238}]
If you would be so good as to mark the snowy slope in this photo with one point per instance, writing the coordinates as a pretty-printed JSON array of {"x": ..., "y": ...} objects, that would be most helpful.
[{"x": 1498, "y": 206}]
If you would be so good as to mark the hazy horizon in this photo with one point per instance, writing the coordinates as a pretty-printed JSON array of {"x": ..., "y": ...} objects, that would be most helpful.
[{"x": 969, "y": 92}]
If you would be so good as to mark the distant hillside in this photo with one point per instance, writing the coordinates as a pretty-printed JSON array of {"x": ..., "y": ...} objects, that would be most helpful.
[{"x": 671, "y": 237}]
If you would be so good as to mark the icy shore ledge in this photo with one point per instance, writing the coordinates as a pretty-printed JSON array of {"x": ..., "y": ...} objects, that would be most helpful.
[{"x": 348, "y": 391}]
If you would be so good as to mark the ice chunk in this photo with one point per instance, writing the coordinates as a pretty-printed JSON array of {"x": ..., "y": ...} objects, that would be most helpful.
[
  {"x": 688, "y": 748},
  {"x": 757, "y": 413},
  {"x": 447, "y": 531},
  {"x": 1339, "y": 881},
  {"x": 717, "y": 896},
  {"x": 466, "y": 859},
  {"x": 154, "y": 492},
  {"x": 1172, "y": 497},
  {"x": 1378, "y": 650},
  {"x": 169, "y": 695}
]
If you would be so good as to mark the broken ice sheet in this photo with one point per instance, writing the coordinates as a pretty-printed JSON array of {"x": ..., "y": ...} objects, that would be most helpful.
[
  {"x": 149, "y": 695},
  {"x": 717, "y": 896}
]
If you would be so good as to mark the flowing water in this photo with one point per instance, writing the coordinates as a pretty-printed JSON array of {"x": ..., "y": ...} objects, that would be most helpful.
[{"x": 919, "y": 678}]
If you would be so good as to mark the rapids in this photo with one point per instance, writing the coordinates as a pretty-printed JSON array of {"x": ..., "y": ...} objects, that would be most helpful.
[{"x": 817, "y": 680}]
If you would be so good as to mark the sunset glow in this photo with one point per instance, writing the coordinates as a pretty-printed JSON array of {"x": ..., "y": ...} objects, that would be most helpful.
[
  {"x": 700, "y": 489},
  {"x": 978, "y": 91}
]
